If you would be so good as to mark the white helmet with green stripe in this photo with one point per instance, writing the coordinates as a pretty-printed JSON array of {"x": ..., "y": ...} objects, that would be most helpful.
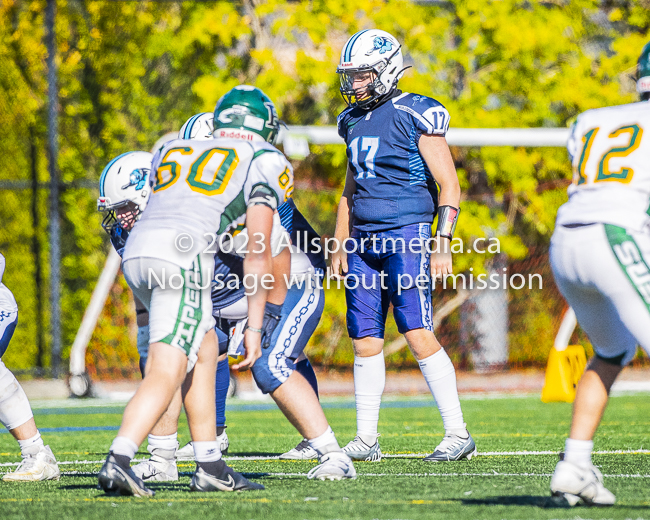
[
  {"x": 199, "y": 126},
  {"x": 375, "y": 52}
]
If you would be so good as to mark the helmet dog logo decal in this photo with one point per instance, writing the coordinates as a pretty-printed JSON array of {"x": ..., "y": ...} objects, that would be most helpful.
[
  {"x": 138, "y": 178},
  {"x": 380, "y": 44}
]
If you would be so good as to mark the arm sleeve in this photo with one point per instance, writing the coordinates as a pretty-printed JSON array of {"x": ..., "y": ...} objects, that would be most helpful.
[
  {"x": 434, "y": 120},
  {"x": 270, "y": 180},
  {"x": 286, "y": 214},
  {"x": 427, "y": 115},
  {"x": 341, "y": 124},
  {"x": 2, "y": 267}
]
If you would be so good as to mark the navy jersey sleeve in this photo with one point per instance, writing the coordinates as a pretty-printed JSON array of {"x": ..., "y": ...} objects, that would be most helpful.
[
  {"x": 286, "y": 215},
  {"x": 301, "y": 232},
  {"x": 227, "y": 287},
  {"x": 426, "y": 114},
  {"x": 118, "y": 238},
  {"x": 342, "y": 123}
]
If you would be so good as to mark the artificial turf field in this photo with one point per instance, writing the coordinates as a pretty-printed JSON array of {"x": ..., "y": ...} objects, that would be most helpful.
[{"x": 497, "y": 484}]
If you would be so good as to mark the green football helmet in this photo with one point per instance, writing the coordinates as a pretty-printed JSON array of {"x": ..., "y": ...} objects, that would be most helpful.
[
  {"x": 245, "y": 112},
  {"x": 643, "y": 73}
]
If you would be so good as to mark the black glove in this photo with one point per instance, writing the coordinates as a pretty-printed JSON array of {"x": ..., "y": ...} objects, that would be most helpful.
[{"x": 272, "y": 316}]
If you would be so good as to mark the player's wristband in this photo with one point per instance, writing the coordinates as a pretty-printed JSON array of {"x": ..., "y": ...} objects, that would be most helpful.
[
  {"x": 447, "y": 218},
  {"x": 253, "y": 329}
]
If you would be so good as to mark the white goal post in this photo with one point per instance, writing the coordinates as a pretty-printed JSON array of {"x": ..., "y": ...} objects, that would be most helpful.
[{"x": 296, "y": 141}]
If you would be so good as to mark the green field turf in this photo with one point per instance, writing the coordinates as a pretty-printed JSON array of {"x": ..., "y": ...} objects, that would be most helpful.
[{"x": 499, "y": 486}]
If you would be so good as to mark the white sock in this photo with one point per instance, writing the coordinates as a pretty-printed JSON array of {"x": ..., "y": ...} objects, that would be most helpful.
[
  {"x": 325, "y": 443},
  {"x": 32, "y": 445},
  {"x": 165, "y": 444},
  {"x": 206, "y": 451},
  {"x": 369, "y": 383},
  {"x": 124, "y": 446},
  {"x": 440, "y": 375},
  {"x": 578, "y": 452}
]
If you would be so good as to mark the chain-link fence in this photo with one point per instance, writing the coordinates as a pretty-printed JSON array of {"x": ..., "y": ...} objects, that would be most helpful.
[{"x": 129, "y": 72}]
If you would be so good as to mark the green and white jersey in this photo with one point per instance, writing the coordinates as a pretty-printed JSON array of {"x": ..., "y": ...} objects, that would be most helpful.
[
  {"x": 201, "y": 191},
  {"x": 610, "y": 153}
]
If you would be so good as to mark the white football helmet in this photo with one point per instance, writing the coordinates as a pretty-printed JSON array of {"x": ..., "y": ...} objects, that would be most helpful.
[
  {"x": 199, "y": 126},
  {"x": 375, "y": 52},
  {"x": 124, "y": 189}
]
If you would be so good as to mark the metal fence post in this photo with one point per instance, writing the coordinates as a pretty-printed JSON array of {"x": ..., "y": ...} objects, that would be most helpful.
[{"x": 53, "y": 152}]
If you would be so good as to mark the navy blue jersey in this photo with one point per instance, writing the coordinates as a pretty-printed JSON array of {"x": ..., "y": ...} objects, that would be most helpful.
[
  {"x": 118, "y": 238},
  {"x": 394, "y": 187},
  {"x": 301, "y": 233},
  {"x": 228, "y": 275}
]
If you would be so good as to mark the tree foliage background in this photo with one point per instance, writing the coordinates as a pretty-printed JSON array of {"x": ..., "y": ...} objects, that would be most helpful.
[{"x": 131, "y": 71}]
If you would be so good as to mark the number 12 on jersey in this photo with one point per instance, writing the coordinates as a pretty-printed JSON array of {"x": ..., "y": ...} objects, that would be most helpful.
[
  {"x": 369, "y": 145},
  {"x": 625, "y": 173}
]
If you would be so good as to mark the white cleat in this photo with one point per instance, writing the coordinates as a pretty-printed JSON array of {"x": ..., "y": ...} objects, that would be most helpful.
[
  {"x": 34, "y": 468},
  {"x": 303, "y": 451},
  {"x": 158, "y": 468},
  {"x": 453, "y": 447},
  {"x": 334, "y": 465},
  {"x": 356, "y": 449},
  {"x": 187, "y": 451},
  {"x": 572, "y": 483}
]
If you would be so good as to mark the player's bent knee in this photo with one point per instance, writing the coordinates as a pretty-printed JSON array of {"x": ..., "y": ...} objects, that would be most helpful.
[
  {"x": 269, "y": 378},
  {"x": 14, "y": 406},
  {"x": 607, "y": 369},
  {"x": 615, "y": 360},
  {"x": 166, "y": 361}
]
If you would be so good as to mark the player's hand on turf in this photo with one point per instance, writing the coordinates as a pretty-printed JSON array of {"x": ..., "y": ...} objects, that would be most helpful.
[
  {"x": 253, "y": 348},
  {"x": 441, "y": 264},
  {"x": 339, "y": 264}
]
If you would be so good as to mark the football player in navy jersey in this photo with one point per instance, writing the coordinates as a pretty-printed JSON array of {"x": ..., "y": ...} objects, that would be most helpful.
[{"x": 397, "y": 159}]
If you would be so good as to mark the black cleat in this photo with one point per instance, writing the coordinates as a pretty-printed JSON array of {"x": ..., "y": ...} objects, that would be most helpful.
[
  {"x": 227, "y": 480},
  {"x": 114, "y": 479}
]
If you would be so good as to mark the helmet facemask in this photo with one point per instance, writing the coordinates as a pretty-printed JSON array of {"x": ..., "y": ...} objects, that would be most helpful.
[
  {"x": 123, "y": 215},
  {"x": 368, "y": 94}
]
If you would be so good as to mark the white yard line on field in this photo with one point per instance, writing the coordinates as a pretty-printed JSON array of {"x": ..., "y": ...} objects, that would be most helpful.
[
  {"x": 487, "y": 474},
  {"x": 396, "y": 456}
]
